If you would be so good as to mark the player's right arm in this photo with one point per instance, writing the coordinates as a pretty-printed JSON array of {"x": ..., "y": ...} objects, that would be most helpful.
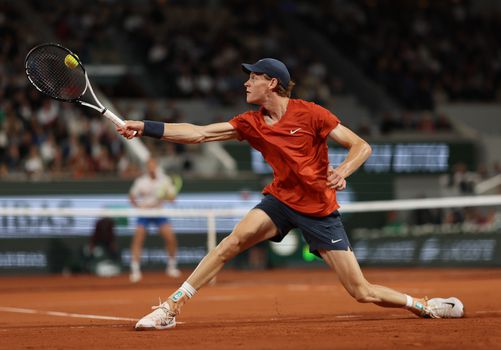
[{"x": 183, "y": 132}]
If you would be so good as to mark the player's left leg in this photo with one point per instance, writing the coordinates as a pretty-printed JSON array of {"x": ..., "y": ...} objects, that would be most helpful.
[
  {"x": 346, "y": 266},
  {"x": 255, "y": 227},
  {"x": 169, "y": 237}
]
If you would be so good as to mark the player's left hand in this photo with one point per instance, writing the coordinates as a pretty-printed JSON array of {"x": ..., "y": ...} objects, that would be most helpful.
[{"x": 335, "y": 180}]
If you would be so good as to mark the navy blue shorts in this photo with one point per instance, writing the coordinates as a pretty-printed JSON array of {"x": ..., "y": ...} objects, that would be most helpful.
[
  {"x": 152, "y": 221},
  {"x": 324, "y": 233}
]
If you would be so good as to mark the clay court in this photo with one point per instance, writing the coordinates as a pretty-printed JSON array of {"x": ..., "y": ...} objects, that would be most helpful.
[{"x": 277, "y": 309}]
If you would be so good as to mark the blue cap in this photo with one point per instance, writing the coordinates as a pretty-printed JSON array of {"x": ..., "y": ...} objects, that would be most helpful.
[{"x": 271, "y": 67}]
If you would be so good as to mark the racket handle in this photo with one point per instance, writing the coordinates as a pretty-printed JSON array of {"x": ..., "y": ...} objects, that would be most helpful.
[{"x": 114, "y": 118}]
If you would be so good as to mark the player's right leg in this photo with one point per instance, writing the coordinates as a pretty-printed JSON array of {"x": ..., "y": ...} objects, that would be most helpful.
[
  {"x": 136, "y": 248},
  {"x": 255, "y": 227},
  {"x": 349, "y": 273}
]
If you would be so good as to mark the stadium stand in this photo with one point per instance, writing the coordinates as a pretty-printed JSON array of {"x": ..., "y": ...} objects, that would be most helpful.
[
  {"x": 421, "y": 52},
  {"x": 178, "y": 53}
]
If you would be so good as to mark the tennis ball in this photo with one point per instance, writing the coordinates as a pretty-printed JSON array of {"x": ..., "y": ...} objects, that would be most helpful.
[{"x": 70, "y": 62}]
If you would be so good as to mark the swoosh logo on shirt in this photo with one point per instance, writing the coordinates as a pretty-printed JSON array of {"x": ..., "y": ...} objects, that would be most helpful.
[{"x": 295, "y": 131}]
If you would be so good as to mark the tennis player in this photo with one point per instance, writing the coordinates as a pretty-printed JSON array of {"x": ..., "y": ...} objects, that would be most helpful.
[
  {"x": 150, "y": 191},
  {"x": 292, "y": 136}
]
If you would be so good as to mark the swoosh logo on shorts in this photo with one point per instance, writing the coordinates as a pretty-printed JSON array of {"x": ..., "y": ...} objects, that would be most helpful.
[
  {"x": 295, "y": 131},
  {"x": 335, "y": 241}
]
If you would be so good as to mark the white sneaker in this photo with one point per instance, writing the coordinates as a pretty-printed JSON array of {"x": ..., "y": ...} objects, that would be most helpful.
[
  {"x": 160, "y": 318},
  {"x": 172, "y": 272},
  {"x": 135, "y": 276},
  {"x": 445, "y": 308}
]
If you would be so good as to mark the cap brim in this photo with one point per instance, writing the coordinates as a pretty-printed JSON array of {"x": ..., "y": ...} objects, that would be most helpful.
[{"x": 248, "y": 68}]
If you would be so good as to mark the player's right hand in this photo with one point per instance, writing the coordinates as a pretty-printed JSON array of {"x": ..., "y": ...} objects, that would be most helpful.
[{"x": 131, "y": 129}]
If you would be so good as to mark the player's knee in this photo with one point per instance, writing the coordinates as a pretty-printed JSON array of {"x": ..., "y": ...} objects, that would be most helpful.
[{"x": 361, "y": 293}]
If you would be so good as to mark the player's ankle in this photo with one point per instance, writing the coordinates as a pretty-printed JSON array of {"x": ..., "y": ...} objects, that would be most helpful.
[
  {"x": 415, "y": 305},
  {"x": 181, "y": 296}
]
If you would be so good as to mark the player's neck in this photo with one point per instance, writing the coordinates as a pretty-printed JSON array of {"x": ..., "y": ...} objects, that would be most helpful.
[{"x": 276, "y": 107}]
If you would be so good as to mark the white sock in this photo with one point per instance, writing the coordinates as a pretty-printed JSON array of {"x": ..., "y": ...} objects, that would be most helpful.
[
  {"x": 172, "y": 263},
  {"x": 410, "y": 301},
  {"x": 135, "y": 267},
  {"x": 188, "y": 289}
]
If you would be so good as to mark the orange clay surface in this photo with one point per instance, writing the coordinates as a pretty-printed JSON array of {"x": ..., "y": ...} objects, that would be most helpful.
[{"x": 276, "y": 309}]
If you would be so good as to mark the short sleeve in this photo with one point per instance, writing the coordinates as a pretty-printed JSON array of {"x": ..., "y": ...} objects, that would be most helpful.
[
  {"x": 326, "y": 121},
  {"x": 242, "y": 125}
]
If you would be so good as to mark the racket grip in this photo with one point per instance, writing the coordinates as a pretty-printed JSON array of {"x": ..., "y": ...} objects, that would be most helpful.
[{"x": 114, "y": 118}]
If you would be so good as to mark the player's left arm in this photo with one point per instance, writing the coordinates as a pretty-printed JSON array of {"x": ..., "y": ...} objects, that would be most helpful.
[{"x": 359, "y": 152}]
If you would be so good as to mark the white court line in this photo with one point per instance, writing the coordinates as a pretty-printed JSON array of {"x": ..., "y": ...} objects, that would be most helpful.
[
  {"x": 488, "y": 312},
  {"x": 114, "y": 318},
  {"x": 66, "y": 314},
  {"x": 63, "y": 314}
]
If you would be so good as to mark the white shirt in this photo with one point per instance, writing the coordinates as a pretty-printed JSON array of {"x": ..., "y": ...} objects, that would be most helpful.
[{"x": 151, "y": 193}]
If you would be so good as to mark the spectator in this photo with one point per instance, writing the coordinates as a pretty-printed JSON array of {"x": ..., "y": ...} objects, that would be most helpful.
[
  {"x": 442, "y": 123},
  {"x": 101, "y": 254},
  {"x": 34, "y": 164},
  {"x": 460, "y": 181},
  {"x": 389, "y": 123}
]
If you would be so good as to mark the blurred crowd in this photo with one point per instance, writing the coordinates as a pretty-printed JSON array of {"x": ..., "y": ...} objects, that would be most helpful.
[
  {"x": 443, "y": 220},
  {"x": 41, "y": 138},
  {"x": 463, "y": 181},
  {"x": 194, "y": 49},
  {"x": 408, "y": 122},
  {"x": 189, "y": 49},
  {"x": 186, "y": 53},
  {"x": 422, "y": 52}
]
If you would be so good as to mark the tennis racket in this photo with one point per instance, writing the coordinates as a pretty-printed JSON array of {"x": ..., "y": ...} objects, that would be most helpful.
[{"x": 58, "y": 73}]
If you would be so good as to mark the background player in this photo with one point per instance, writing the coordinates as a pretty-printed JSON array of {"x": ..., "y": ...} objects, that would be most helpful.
[
  {"x": 150, "y": 191},
  {"x": 291, "y": 134}
]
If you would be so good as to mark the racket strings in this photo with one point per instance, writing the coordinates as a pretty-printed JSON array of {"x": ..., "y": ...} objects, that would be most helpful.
[{"x": 46, "y": 68}]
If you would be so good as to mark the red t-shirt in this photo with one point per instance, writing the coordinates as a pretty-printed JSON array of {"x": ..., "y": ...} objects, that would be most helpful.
[{"x": 296, "y": 148}]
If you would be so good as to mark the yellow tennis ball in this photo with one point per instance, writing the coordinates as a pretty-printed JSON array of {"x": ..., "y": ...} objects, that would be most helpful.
[{"x": 70, "y": 62}]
